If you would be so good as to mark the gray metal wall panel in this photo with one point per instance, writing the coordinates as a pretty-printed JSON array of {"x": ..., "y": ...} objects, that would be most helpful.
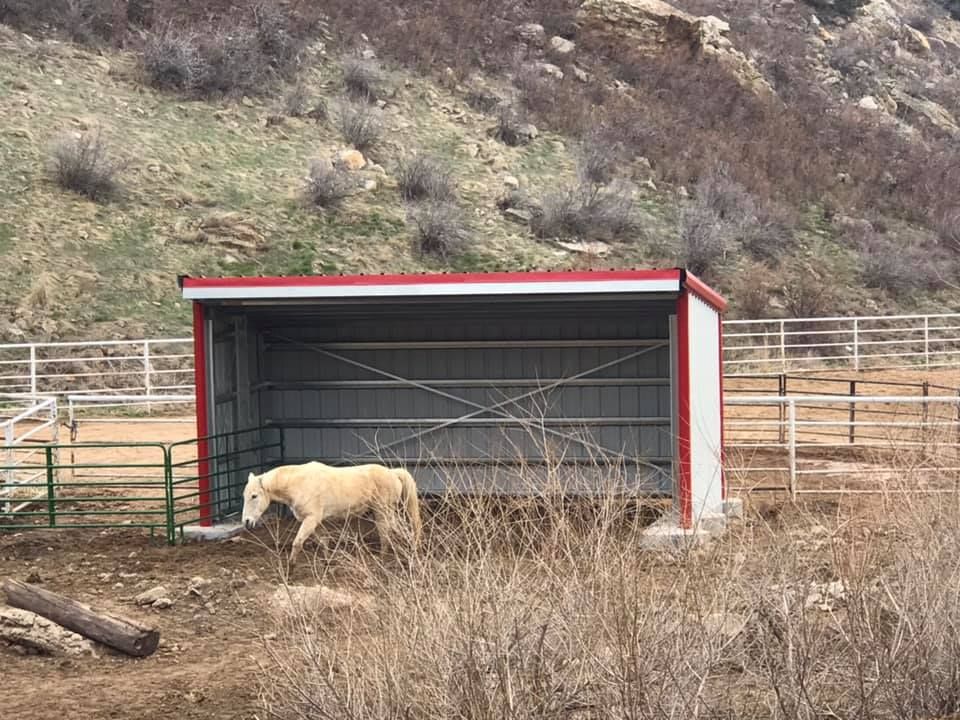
[{"x": 635, "y": 388}]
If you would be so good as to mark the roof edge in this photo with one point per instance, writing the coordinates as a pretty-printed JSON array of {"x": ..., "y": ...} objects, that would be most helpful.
[{"x": 698, "y": 287}]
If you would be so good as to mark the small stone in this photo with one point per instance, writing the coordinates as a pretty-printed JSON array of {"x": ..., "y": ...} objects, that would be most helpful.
[
  {"x": 369, "y": 184},
  {"x": 915, "y": 41},
  {"x": 558, "y": 146},
  {"x": 528, "y": 131},
  {"x": 650, "y": 185},
  {"x": 868, "y": 102},
  {"x": 246, "y": 102},
  {"x": 562, "y": 46},
  {"x": 368, "y": 54},
  {"x": 549, "y": 70},
  {"x": 523, "y": 217},
  {"x": 683, "y": 193},
  {"x": 580, "y": 75},
  {"x": 270, "y": 636},
  {"x": 148, "y": 597},
  {"x": 471, "y": 150},
  {"x": 162, "y": 603},
  {"x": 58, "y": 82},
  {"x": 377, "y": 169},
  {"x": 531, "y": 33},
  {"x": 511, "y": 182},
  {"x": 351, "y": 159},
  {"x": 34, "y": 577}
]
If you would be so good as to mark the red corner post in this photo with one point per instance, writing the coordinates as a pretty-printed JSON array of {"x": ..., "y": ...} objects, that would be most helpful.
[
  {"x": 685, "y": 488},
  {"x": 723, "y": 455},
  {"x": 203, "y": 428}
]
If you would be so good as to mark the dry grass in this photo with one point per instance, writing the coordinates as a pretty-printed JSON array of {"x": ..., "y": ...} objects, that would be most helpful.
[
  {"x": 546, "y": 607},
  {"x": 422, "y": 177},
  {"x": 328, "y": 184},
  {"x": 360, "y": 124},
  {"x": 440, "y": 228}
]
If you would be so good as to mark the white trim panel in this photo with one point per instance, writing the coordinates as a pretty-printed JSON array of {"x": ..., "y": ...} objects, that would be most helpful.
[
  {"x": 429, "y": 289},
  {"x": 705, "y": 409}
]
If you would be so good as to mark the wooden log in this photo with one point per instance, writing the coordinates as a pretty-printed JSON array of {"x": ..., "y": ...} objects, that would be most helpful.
[
  {"x": 121, "y": 634},
  {"x": 36, "y": 633}
]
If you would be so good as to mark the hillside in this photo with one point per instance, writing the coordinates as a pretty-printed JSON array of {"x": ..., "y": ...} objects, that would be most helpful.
[{"x": 804, "y": 158}]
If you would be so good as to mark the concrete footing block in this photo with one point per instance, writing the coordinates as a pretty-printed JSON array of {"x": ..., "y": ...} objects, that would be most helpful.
[
  {"x": 201, "y": 533},
  {"x": 733, "y": 508}
]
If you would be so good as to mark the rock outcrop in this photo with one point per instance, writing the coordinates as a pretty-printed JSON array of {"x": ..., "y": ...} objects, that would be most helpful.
[{"x": 657, "y": 26}]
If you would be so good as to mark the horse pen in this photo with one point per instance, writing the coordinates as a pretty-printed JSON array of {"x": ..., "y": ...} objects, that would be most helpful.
[{"x": 528, "y": 616}]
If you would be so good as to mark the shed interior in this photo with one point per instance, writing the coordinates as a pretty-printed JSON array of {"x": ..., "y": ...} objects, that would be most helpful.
[{"x": 491, "y": 393}]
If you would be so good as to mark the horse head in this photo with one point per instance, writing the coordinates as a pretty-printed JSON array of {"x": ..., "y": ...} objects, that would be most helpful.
[{"x": 256, "y": 500}]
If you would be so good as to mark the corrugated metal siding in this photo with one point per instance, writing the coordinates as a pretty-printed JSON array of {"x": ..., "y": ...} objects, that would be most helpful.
[
  {"x": 235, "y": 409},
  {"x": 339, "y": 412},
  {"x": 705, "y": 409}
]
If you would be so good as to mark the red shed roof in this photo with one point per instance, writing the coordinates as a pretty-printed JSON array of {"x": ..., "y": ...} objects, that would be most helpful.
[{"x": 447, "y": 284}]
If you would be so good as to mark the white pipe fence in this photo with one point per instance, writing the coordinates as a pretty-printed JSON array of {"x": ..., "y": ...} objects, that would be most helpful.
[
  {"x": 855, "y": 343},
  {"x": 830, "y": 444},
  {"x": 26, "y": 425},
  {"x": 164, "y": 366}
]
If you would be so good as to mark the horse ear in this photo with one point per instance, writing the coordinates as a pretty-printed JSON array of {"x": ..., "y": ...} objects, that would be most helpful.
[{"x": 250, "y": 477}]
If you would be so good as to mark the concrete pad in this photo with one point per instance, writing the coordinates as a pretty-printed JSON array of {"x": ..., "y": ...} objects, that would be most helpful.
[
  {"x": 733, "y": 508},
  {"x": 200, "y": 533}
]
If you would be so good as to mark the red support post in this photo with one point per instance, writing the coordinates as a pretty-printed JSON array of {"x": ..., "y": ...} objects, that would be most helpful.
[{"x": 203, "y": 428}]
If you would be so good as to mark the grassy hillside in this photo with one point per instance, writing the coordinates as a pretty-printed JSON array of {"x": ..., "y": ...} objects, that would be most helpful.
[{"x": 640, "y": 158}]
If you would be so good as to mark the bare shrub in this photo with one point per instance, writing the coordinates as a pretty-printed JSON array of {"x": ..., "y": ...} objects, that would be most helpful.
[
  {"x": 921, "y": 21},
  {"x": 440, "y": 228},
  {"x": 805, "y": 294},
  {"x": 511, "y": 125},
  {"x": 329, "y": 184},
  {"x": 597, "y": 159},
  {"x": 422, "y": 177},
  {"x": 236, "y": 57},
  {"x": 360, "y": 124},
  {"x": 172, "y": 61},
  {"x": 900, "y": 266},
  {"x": 363, "y": 79},
  {"x": 296, "y": 101},
  {"x": 716, "y": 217},
  {"x": 85, "y": 166},
  {"x": 589, "y": 212},
  {"x": 542, "y": 605}
]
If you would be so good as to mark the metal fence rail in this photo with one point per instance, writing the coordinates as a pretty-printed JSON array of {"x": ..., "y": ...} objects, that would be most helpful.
[
  {"x": 152, "y": 486},
  {"x": 147, "y": 366},
  {"x": 25, "y": 423},
  {"x": 163, "y": 366},
  {"x": 878, "y": 341},
  {"x": 830, "y": 444}
]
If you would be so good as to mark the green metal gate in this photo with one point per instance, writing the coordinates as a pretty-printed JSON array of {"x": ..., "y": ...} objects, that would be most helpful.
[{"x": 151, "y": 486}]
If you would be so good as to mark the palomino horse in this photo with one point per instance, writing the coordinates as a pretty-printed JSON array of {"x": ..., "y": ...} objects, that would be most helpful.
[{"x": 315, "y": 492}]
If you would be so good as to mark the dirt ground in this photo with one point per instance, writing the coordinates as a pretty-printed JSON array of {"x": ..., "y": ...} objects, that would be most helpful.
[{"x": 206, "y": 664}]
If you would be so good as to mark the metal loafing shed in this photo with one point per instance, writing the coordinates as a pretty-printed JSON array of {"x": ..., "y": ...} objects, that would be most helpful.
[{"x": 467, "y": 379}]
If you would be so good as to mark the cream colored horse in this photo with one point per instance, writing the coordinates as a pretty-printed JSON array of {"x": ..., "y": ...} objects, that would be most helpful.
[{"x": 316, "y": 492}]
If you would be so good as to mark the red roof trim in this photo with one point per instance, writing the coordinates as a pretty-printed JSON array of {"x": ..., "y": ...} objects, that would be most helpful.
[
  {"x": 703, "y": 291},
  {"x": 432, "y": 278}
]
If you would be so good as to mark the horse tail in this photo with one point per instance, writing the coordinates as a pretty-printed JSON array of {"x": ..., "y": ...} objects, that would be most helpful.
[{"x": 411, "y": 502}]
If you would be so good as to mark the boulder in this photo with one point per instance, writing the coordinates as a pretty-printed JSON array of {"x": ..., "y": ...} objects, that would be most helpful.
[
  {"x": 511, "y": 182},
  {"x": 868, "y": 102},
  {"x": 935, "y": 114},
  {"x": 545, "y": 69},
  {"x": 351, "y": 159},
  {"x": 915, "y": 41},
  {"x": 657, "y": 26},
  {"x": 149, "y": 597},
  {"x": 562, "y": 46}
]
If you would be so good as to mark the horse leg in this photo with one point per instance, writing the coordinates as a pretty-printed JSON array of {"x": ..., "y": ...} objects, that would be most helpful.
[
  {"x": 384, "y": 520},
  {"x": 307, "y": 527}
]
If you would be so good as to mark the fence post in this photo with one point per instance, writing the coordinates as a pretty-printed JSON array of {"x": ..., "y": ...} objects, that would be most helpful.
[
  {"x": 782, "y": 391},
  {"x": 147, "y": 385},
  {"x": 168, "y": 491},
  {"x": 792, "y": 446},
  {"x": 856, "y": 343},
  {"x": 853, "y": 410},
  {"x": 51, "y": 490},
  {"x": 33, "y": 370},
  {"x": 924, "y": 416},
  {"x": 8, "y": 460},
  {"x": 926, "y": 340},
  {"x": 783, "y": 345}
]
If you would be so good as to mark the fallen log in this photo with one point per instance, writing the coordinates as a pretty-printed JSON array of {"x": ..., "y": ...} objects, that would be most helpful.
[
  {"x": 29, "y": 630},
  {"x": 121, "y": 634}
]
